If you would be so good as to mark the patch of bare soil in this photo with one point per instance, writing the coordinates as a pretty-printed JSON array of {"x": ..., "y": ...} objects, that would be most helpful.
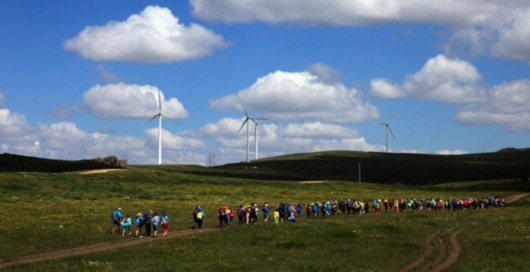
[
  {"x": 313, "y": 181},
  {"x": 443, "y": 259},
  {"x": 126, "y": 242},
  {"x": 428, "y": 251},
  {"x": 514, "y": 198},
  {"x": 100, "y": 171}
]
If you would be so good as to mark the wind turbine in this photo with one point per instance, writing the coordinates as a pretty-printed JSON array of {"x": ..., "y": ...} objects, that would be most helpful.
[
  {"x": 388, "y": 129},
  {"x": 159, "y": 115},
  {"x": 254, "y": 120}
]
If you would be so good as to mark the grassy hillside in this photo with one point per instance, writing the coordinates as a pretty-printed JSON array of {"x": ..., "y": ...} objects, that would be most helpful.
[
  {"x": 19, "y": 163},
  {"x": 384, "y": 167}
]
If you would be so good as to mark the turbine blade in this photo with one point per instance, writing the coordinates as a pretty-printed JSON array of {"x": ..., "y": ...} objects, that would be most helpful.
[
  {"x": 390, "y": 130},
  {"x": 159, "y": 102},
  {"x": 242, "y": 125},
  {"x": 169, "y": 118},
  {"x": 153, "y": 118},
  {"x": 244, "y": 108}
]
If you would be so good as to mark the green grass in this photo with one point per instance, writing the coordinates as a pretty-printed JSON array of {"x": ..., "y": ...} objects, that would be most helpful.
[{"x": 50, "y": 211}]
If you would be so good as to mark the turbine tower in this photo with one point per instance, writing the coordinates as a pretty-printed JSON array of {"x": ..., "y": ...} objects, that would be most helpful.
[
  {"x": 247, "y": 120},
  {"x": 256, "y": 123},
  {"x": 388, "y": 129},
  {"x": 159, "y": 115}
]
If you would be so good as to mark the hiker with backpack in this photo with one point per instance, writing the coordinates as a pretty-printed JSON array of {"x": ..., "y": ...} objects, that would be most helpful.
[
  {"x": 155, "y": 221},
  {"x": 139, "y": 222},
  {"x": 265, "y": 210},
  {"x": 116, "y": 220},
  {"x": 126, "y": 225},
  {"x": 165, "y": 223},
  {"x": 221, "y": 214},
  {"x": 200, "y": 218},
  {"x": 147, "y": 222}
]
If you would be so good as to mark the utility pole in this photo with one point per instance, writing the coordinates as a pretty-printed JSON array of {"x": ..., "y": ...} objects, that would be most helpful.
[{"x": 359, "y": 173}]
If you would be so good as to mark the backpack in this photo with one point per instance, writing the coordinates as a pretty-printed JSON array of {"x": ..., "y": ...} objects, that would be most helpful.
[{"x": 199, "y": 215}]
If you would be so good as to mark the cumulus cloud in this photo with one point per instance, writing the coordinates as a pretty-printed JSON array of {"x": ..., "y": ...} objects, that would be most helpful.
[
  {"x": 279, "y": 139},
  {"x": 440, "y": 79},
  {"x": 346, "y": 12},
  {"x": 496, "y": 27},
  {"x": 318, "y": 129},
  {"x": 14, "y": 127},
  {"x": 173, "y": 141},
  {"x": 153, "y": 35},
  {"x": 65, "y": 140},
  {"x": 506, "y": 105},
  {"x": 115, "y": 101},
  {"x": 300, "y": 95}
]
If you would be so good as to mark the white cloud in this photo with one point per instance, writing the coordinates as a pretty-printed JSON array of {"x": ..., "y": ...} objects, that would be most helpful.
[
  {"x": 383, "y": 88},
  {"x": 506, "y": 105},
  {"x": 318, "y": 129},
  {"x": 65, "y": 137},
  {"x": 300, "y": 96},
  {"x": 324, "y": 72},
  {"x": 347, "y": 12},
  {"x": 65, "y": 140},
  {"x": 278, "y": 139},
  {"x": 440, "y": 79},
  {"x": 497, "y": 27},
  {"x": 173, "y": 141},
  {"x": 114, "y": 101},
  {"x": 14, "y": 127},
  {"x": 153, "y": 35},
  {"x": 451, "y": 152}
]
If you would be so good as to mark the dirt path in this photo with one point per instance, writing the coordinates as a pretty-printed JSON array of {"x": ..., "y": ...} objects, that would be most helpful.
[
  {"x": 445, "y": 259},
  {"x": 100, "y": 171},
  {"x": 127, "y": 242},
  {"x": 514, "y": 198},
  {"x": 428, "y": 251}
]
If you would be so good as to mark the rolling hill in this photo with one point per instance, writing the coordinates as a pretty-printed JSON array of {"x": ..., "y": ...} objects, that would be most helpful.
[
  {"x": 387, "y": 168},
  {"x": 19, "y": 163}
]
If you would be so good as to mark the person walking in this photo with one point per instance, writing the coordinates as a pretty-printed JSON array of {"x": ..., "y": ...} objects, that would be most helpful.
[
  {"x": 155, "y": 221},
  {"x": 147, "y": 222},
  {"x": 116, "y": 220},
  {"x": 126, "y": 225},
  {"x": 139, "y": 222},
  {"x": 165, "y": 223},
  {"x": 200, "y": 218},
  {"x": 265, "y": 210},
  {"x": 194, "y": 214}
]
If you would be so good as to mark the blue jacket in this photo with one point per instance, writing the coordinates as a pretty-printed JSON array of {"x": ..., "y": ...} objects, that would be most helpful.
[{"x": 116, "y": 215}]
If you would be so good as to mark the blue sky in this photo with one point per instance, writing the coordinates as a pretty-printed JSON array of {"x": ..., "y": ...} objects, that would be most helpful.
[{"x": 79, "y": 80}]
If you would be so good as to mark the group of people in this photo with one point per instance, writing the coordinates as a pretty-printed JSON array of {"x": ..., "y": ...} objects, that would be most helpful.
[
  {"x": 289, "y": 212},
  {"x": 147, "y": 224}
]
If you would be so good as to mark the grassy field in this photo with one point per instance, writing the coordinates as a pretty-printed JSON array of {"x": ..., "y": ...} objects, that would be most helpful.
[
  {"x": 50, "y": 211},
  {"x": 43, "y": 212}
]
